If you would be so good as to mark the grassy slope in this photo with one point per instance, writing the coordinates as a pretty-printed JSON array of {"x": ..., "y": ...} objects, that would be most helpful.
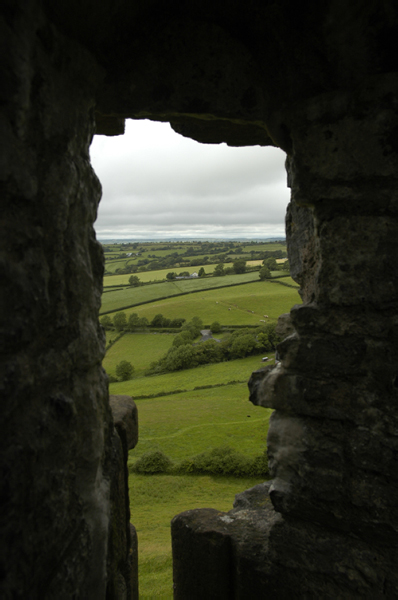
[
  {"x": 186, "y": 424},
  {"x": 263, "y": 298},
  {"x": 234, "y": 370},
  {"x": 112, "y": 301},
  {"x": 139, "y": 349}
]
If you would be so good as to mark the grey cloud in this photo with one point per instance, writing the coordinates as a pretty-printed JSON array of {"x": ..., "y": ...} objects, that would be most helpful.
[{"x": 159, "y": 181}]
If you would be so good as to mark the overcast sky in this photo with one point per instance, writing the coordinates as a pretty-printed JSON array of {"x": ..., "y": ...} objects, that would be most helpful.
[{"x": 157, "y": 185}]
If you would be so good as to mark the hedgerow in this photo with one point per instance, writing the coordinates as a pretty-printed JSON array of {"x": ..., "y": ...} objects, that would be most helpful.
[
  {"x": 218, "y": 461},
  {"x": 239, "y": 344}
]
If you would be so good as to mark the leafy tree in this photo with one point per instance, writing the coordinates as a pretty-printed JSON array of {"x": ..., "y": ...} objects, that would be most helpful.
[
  {"x": 243, "y": 346},
  {"x": 144, "y": 322},
  {"x": 239, "y": 266},
  {"x": 106, "y": 322},
  {"x": 269, "y": 329},
  {"x": 120, "y": 321},
  {"x": 264, "y": 273},
  {"x": 286, "y": 266},
  {"x": 180, "y": 358},
  {"x": 197, "y": 322},
  {"x": 124, "y": 370},
  {"x": 215, "y": 327},
  {"x": 134, "y": 321},
  {"x": 271, "y": 264},
  {"x": 264, "y": 342},
  {"x": 171, "y": 276},
  {"x": 177, "y": 322},
  {"x": 219, "y": 270},
  {"x": 202, "y": 272},
  {"x": 208, "y": 352},
  {"x": 157, "y": 320},
  {"x": 134, "y": 281},
  {"x": 185, "y": 337}
]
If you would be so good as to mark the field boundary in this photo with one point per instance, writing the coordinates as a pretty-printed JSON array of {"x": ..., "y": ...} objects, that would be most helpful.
[
  {"x": 184, "y": 391},
  {"x": 107, "y": 312}
]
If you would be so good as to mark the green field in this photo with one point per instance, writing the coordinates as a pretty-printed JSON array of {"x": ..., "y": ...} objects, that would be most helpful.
[
  {"x": 114, "y": 300},
  {"x": 240, "y": 305},
  {"x": 139, "y": 349},
  {"x": 234, "y": 370},
  {"x": 183, "y": 425},
  {"x": 159, "y": 275}
]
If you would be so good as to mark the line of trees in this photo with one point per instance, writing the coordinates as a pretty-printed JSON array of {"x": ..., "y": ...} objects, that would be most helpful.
[
  {"x": 185, "y": 355},
  {"x": 134, "y": 322}
]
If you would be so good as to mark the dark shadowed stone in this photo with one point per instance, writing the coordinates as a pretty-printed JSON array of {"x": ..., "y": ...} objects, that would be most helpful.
[
  {"x": 255, "y": 382},
  {"x": 253, "y": 498},
  {"x": 123, "y": 545},
  {"x": 224, "y": 555},
  {"x": 284, "y": 326},
  {"x": 320, "y": 81},
  {"x": 133, "y": 560},
  {"x": 125, "y": 416},
  {"x": 108, "y": 125}
]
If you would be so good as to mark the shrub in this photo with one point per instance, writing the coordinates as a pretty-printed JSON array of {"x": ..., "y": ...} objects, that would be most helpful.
[
  {"x": 120, "y": 321},
  {"x": 134, "y": 281},
  {"x": 215, "y": 327},
  {"x": 112, "y": 379},
  {"x": 224, "y": 461},
  {"x": 153, "y": 462},
  {"x": 264, "y": 273},
  {"x": 177, "y": 322},
  {"x": 124, "y": 370},
  {"x": 106, "y": 322}
]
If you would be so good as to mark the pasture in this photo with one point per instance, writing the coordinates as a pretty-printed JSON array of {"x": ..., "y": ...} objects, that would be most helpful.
[
  {"x": 182, "y": 426},
  {"x": 138, "y": 348},
  {"x": 186, "y": 424},
  {"x": 238, "y": 305},
  {"x": 220, "y": 373},
  {"x": 115, "y": 300},
  {"x": 159, "y": 275}
]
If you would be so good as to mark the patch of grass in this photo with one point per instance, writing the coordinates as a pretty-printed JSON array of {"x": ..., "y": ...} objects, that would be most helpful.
[
  {"x": 186, "y": 424},
  {"x": 155, "y": 501},
  {"x": 228, "y": 306},
  {"x": 111, "y": 334},
  {"x": 138, "y": 348},
  {"x": 158, "y": 275},
  {"x": 270, "y": 247},
  {"x": 118, "y": 299},
  {"x": 234, "y": 370}
]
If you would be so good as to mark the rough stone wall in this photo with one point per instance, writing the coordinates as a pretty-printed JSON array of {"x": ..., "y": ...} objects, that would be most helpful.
[
  {"x": 319, "y": 81},
  {"x": 122, "y": 572},
  {"x": 56, "y": 429},
  {"x": 333, "y": 440}
]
